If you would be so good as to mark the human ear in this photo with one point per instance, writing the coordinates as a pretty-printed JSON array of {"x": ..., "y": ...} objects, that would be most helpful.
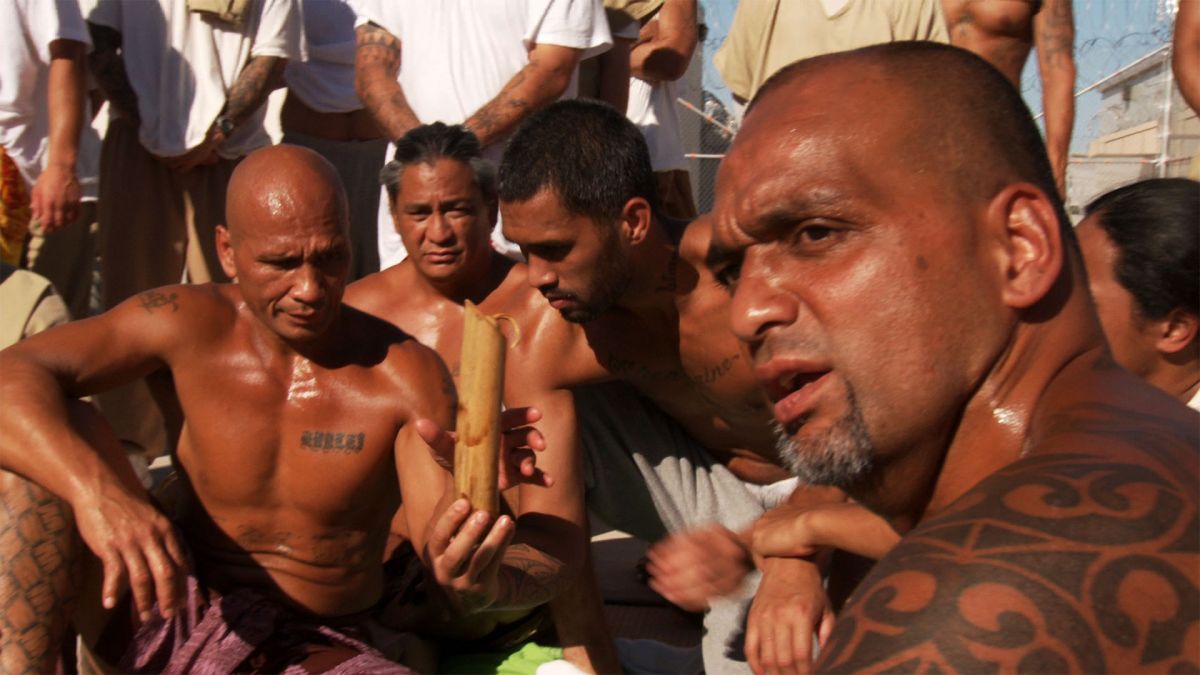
[
  {"x": 225, "y": 252},
  {"x": 636, "y": 217},
  {"x": 1032, "y": 253},
  {"x": 1177, "y": 331}
]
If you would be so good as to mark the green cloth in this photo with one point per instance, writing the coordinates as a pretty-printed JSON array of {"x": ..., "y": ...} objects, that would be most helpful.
[{"x": 523, "y": 661}]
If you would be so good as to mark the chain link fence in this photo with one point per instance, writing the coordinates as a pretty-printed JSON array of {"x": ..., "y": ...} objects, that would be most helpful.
[{"x": 1130, "y": 122}]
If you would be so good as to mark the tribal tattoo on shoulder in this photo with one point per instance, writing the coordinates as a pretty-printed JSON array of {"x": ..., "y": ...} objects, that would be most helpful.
[{"x": 1059, "y": 563}]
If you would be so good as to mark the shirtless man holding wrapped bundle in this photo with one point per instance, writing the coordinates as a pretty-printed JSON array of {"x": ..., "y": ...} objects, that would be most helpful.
[{"x": 302, "y": 436}]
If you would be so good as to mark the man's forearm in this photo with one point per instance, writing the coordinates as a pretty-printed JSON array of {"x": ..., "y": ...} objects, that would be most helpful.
[
  {"x": 376, "y": 66},
  {"x": 1054, "y": 29},
  {"x": 667, "y": 55},
  {"x": 540, "y": 82},
  {"x": 108, "y": 67},
  {"x": 66, "y": 98},
  {"x": 252, "y": 86}
]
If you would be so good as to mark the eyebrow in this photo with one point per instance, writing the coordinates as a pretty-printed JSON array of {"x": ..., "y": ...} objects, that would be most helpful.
[{"x": 718, "y": 255}]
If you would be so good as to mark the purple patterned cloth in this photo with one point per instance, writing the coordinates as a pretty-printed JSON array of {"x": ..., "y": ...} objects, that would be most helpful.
[{"x": 245, "y": 631}]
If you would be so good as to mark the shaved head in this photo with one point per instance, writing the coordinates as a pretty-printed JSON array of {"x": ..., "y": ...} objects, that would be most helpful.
[
  {"x": 961, "y": 116},
  {"x": 284, "y": 182}
]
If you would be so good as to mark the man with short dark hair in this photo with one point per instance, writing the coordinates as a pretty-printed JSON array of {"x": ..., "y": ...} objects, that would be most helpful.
[
  {"x": 675, "y": 439},
  {"x": 1141, "y": 245},
  {"x": 916, "y": 309}
]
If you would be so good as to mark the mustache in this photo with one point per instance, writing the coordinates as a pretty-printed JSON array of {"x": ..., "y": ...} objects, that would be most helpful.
[{"x": 555, "y": 294}]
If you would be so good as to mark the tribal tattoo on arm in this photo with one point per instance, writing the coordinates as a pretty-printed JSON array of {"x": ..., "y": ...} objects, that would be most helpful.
[
  {"x": 1054, "y": 36},
  {"x": 108, "y": 66},
  {"x": 1058, "y": 563},
  {"x": 541, "y": 81},
  {"x": 252, "y": 86},
  {"x": 40, "y": 563},
  {"x": 376, "y": 66}
]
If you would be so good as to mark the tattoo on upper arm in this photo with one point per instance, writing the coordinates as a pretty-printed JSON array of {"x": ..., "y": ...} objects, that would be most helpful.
[
  {"x": 342, "y": 443},
  {"x": 375, "y": 45},
  {"x": 152, "y": 300},
  {"x": 1058, "y": 565},
  {"x": 252, "y": 86},
  {"x": 1056, "y": 39}
]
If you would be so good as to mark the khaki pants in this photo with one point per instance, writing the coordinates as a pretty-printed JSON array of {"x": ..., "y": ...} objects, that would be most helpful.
[{"x": 68, "y": 259}]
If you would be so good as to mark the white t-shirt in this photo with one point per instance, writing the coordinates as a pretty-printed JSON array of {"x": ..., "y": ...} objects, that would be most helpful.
[
  {"x": 28, "y": 27},
  {"x": 182, "y": 64},
  {"x": 653, "y": 109},
  {"x": 1194, "y": 404},
  {"x": 325, "y": 82},
  {"x": 458, "y": 54}
]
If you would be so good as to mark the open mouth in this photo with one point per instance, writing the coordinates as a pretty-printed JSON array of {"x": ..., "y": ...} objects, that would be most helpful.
[{"x": 793, "y": 390}]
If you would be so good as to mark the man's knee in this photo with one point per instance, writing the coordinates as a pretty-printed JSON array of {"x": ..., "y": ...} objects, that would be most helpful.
[{"x": 40, "y": 561}]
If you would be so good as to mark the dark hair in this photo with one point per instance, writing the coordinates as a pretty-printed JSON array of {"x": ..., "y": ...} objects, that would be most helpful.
[
  {"x": 430, "y": 142},
  {"x": 969, "y": 120},
  {"x": 1155, "y": 225},
  {"x": 590, "y": 155}
]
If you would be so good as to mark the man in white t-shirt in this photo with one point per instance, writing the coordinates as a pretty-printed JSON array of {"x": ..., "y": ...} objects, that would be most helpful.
[
  {"x": 42, "y": 110},
  {"x": 485, "y": 65},
  {"x": 186, "y": 90},
  {"x": 322, "y": 112}
]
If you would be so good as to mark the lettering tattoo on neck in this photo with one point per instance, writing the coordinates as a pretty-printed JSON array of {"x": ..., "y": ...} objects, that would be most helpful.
[
  {"x": 716, "y": 371},
  {"x": 152, "y": 300},
  {"x": 669, "y": 281},
  {"x": 327, "y": 442}
]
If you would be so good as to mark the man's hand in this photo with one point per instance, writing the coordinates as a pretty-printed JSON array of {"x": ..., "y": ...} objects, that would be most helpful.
[
  {"x": 519, "y": 442},
  {"x": 464, "y": 554},
  {"x": 55, "y": 198},
  {"x": 789, "y": 607},
  {"x": 204, "y": 154},
  {"x": 691, "y": 568},
  {"x": 137, "y": 545}
]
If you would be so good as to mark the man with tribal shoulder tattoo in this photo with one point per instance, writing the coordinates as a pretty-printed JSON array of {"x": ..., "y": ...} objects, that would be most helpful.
[
  {"x": 305, "y": 423},
  {"x": 916, "y": 308}
]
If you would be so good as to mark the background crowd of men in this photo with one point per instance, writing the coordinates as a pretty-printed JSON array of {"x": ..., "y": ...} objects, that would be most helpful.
[{"x": 818, "y": 374}]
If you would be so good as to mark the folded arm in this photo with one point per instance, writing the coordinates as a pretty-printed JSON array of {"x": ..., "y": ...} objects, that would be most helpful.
[
  {"x": 376, "y": 67},
  {"x": 543, "y": 79}
]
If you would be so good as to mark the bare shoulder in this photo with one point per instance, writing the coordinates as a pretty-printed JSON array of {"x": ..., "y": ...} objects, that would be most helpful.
[
  {"x": 1083, "y": 556},
  {"x": 376, "y": 293},
  {"x": 545, "y": 345}
]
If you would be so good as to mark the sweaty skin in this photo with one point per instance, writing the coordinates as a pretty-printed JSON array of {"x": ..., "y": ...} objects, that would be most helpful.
[
  {"x": 1003, "y": 32},
  {"x": 1049, "y": 497},
  {"x": 299, "y": 411}
]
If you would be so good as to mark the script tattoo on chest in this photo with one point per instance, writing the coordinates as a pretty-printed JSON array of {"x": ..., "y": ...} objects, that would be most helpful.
[
  {"x": 339, "y": 442},
  {"x": 152, "y": 300}
]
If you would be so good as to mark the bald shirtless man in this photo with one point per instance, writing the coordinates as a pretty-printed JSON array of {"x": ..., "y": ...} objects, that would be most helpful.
[
  {"x": 678, "y": 435},
  {"x": 921, "y": 323},
  {"x": 301, "y": 436},
  {"x": 1003, "y": 32}
]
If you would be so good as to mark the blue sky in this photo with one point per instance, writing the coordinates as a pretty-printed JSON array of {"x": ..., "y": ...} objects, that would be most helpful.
[{"x": 1109, "y": 34}]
